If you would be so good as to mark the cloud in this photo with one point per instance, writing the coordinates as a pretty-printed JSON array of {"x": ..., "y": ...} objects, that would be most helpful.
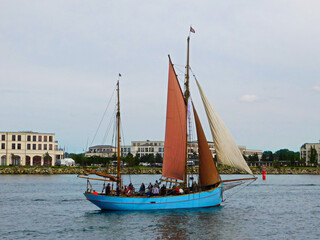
[
  {"x": 317, "y": 88},
  {"x": 249, "y": 98}
]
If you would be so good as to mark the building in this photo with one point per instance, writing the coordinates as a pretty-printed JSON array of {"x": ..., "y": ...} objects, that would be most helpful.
[
  {"x": 101, "y": 151},
  {"x": 305, "y": 152},
  {"x": 147, "y": 147},
  {"x": 250, "y": 152},
  {"x": 29, "y": 148}
]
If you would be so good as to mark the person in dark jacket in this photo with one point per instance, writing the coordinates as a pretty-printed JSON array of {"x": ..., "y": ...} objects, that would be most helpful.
[
  {"x": 142, "y": 189},
  {"x": 108, "y": 189}
]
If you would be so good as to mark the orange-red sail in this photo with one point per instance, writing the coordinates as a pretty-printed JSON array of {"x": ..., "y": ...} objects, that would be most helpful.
[
  {"x": 208, "y": 174},
  {"x": 176, "y": 130}
]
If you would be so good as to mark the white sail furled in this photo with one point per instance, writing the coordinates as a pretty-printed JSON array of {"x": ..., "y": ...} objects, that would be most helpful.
[{"x": 227, "y": 151}]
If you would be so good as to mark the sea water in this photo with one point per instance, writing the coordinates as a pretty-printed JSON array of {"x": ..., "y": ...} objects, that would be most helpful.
[{"x": 54, "y": 207}]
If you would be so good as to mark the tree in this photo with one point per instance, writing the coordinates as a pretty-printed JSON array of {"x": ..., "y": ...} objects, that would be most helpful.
[
  {"x": 313, "y": 156},
  {"x": 158, "y": 158},
  {"x": 15, "y": 159},
  {"x": 253, "y": 158},
  {"x": 267, "y": 156},
  {"x": 47, "y": 159},
  {"x": 285, "y": 155},
  {"x": 136, "y": 160},
  {"x": 129, "y": 160}
]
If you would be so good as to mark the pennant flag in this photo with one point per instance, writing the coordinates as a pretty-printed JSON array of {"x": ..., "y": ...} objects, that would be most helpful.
[{"x": 192, "y": 30}]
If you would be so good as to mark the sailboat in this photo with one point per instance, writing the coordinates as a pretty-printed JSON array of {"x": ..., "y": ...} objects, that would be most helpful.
[{"x": 208, "y": 192}]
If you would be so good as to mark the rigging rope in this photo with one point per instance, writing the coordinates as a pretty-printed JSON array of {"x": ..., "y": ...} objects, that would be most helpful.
[
  {"x": 223, "y": 200},
  {"x": 103, "y": 117},
  {"x": 109, "y": 126}
]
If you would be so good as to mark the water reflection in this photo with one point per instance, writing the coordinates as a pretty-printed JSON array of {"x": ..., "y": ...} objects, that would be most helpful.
[{"x": 171, "y": 224}]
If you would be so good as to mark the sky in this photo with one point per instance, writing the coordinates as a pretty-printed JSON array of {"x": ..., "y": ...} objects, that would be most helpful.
[{"x": 257, "y": 61}]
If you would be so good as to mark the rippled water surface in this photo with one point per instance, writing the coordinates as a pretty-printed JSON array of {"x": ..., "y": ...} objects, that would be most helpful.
[{"x": 53, "y": 207}]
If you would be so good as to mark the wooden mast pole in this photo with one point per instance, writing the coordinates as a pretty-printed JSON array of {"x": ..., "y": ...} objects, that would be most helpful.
[
  {"x": 118, "y": 136},
  {"x": 186, "y": 97}
]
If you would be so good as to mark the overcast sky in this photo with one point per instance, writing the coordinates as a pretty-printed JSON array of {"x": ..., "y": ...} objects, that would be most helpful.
[{"x": 257, "y": 61}]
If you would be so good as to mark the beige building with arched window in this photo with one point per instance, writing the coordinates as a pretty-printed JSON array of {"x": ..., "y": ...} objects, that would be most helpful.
[{"x": 29, "y": 148}]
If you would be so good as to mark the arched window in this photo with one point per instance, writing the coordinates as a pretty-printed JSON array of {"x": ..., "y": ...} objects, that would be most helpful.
[
  {"x": 3, "y": 160},
  {"x": 36, "y": 161}
]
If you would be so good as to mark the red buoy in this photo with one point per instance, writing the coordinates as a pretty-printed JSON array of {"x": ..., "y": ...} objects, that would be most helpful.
[{"x": 264, "y": 173}]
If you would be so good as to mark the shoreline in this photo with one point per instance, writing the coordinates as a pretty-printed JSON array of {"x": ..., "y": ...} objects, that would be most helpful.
[{"x": 20, "y": 170}]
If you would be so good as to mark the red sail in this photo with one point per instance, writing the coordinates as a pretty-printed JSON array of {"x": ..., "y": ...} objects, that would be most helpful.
[
  {"x": 208, "y": 174},
  {"x": 176, "y": 130}
]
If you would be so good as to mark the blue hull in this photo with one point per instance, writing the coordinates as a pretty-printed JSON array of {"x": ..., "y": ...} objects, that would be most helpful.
[{"x": 210, "y": 198}]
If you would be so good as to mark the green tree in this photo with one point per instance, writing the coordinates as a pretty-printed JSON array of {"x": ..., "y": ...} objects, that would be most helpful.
[
  {"x": 136, "y": 160},
  {"x": 129, "y": 160},
  {"x": 285, "y": 155},
  {"x": 47, "y": 158},
  {"x": 313, "y": 156},
  {"x": 148, "y": 158},
  {"x": 15, "y": 159},
  {"x": 267, "y": 156},
  {"x": 253, "y": 158},
  {"x": 158, "y": 158}
]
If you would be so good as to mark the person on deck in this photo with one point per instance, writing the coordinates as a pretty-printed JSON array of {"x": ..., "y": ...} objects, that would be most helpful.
[
  {"x": 108, "y": 189},
  {"x": 155, "y": 190},
  {"x": 177, "y": 190},
  {"x": 150, "y": 186},
  {"x": 163, "y": 190},
  {"x": 142, "y": 189},
  {"x": 118, "y": 190},
  {"x": 131, "y": 187}
]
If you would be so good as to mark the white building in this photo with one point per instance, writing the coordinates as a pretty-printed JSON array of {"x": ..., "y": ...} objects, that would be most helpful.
[
  {"x": 147, "y": 147},
  {"x": 305, "y": 152},
  {"x": 29, "y": 148}
]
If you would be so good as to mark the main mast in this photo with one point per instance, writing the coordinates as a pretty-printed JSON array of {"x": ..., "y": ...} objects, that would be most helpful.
[
  {"x": 186, "y": 97},
  {"x": 118, "y": 135}
]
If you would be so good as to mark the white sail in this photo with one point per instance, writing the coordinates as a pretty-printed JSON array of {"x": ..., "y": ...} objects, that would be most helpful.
[{"x": 227, "y": 150}]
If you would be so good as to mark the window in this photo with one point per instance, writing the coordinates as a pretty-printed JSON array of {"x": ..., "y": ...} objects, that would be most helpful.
[
  {"x": 40, "y": 138},
  {"x": 44, "y": 146},
  {"x": 39, "y": 146},
  {"x": 3, "y": 146},
  {"x": 19, "y": 137},
  {"x": 34, "y": 146},
  {"x": 13, "y": 146},
  {"x": 19, "y": 145},
  {"x": 28, "y": 138},
  {"x": 13, "y": 137},
  {"x": 129, "y": 149},
  {"x": 50, "y": 146},
  {"x": 28, "y": 146},
  {"x": 45, "y": 138},
  {"x": 50, "y": 138},
  {"x": 34, "y": 138},
  {"x": 3, "y": 137}
]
